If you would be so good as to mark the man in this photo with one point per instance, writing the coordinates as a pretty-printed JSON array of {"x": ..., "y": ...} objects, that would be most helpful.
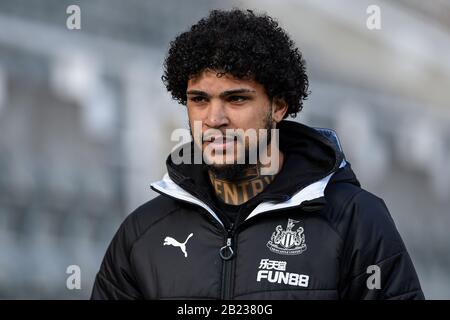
[{"x": 294, "y": 224}]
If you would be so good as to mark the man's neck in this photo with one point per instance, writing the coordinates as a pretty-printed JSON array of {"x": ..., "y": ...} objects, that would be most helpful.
[{"x": 242, "y": 188}]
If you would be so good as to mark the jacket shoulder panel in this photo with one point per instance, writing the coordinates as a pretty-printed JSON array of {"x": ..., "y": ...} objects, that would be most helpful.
[
  {"x": 371, "y": 242},
  {"x": 116, "y": 278},
  {"x": 148, "y": 213},
  {"x": 352, "y": 209},
  {"x": 338, "y": 197}
]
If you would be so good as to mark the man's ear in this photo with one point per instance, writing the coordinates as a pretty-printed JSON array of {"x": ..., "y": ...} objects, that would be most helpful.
[{"x": 279, "y": 109}]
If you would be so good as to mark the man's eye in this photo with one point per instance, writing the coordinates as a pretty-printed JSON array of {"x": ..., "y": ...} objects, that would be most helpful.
[
  {"x": 237, "y": 99},
  {"x": 198, "y": 99}
]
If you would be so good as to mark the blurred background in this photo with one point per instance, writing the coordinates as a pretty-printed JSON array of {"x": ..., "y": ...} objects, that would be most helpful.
[{"x": 85, "y": 122}]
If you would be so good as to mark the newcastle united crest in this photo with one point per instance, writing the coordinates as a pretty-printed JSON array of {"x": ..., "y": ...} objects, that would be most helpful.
[{"x": 288, "y": 242}]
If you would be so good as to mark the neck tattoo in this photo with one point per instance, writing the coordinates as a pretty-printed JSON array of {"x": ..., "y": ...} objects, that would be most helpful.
[{"x": 241, "y": 189}]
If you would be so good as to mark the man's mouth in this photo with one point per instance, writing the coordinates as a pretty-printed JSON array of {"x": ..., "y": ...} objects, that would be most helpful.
[{"x": 220, "y": 142}]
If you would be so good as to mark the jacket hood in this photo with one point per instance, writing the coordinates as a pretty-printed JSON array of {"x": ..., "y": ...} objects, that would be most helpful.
[{"x": 313, "y": 158}]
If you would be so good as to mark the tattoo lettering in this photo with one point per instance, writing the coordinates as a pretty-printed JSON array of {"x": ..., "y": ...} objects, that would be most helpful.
[{"x": 242, "y": 190}]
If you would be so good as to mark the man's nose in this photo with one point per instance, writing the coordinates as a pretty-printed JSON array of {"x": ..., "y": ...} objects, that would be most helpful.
[{"x": 216, "y": 116}]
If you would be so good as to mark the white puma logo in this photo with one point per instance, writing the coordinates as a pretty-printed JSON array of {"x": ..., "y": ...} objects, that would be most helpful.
[{"x": 169, "y": 241}]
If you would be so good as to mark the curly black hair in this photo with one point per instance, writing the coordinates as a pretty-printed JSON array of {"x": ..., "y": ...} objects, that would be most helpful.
[{"x": 245, "y": 45}]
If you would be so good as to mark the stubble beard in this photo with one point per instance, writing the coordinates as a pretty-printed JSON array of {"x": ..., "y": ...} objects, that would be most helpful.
[{"x": 237, "y": 171}]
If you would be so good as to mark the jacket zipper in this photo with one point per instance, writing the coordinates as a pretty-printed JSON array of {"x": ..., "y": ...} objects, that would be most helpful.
[{"x": 227, "y": 253}]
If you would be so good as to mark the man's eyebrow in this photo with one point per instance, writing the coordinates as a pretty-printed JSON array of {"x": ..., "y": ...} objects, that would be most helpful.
[
  {"x": 236, "y": 91},
  {"x": 223, "y": 94},
  {"x": 197, "y": 92}
]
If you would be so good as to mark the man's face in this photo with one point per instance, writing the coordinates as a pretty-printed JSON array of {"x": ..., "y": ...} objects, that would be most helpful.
[{"x": 227, "y": 103}]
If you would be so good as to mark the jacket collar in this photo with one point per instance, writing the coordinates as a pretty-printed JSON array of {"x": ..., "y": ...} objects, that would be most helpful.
[{"x": 311, "y": 192}]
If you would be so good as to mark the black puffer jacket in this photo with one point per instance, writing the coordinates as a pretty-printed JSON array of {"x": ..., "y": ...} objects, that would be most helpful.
[{"x": 313, "y": 233}]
